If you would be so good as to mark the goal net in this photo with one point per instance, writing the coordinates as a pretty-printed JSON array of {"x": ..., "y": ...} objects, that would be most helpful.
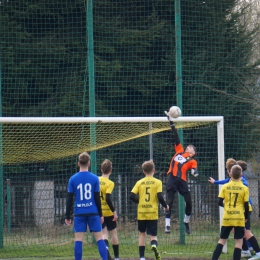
[
  {"x": 27, "y": 140},
  {"x": 38, "y": 155}
]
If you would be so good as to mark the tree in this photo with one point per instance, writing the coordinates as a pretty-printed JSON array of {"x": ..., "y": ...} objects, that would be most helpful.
[{"x": 43, "y": 58}]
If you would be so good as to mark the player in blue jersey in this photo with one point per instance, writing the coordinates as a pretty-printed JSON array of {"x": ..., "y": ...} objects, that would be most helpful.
[
  {"x": 249, "y": 237},
  {"x": 84, "y": 185}
]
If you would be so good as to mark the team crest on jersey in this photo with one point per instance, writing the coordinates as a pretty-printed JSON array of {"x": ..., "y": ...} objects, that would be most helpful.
[{"x": 180, "y": 159}]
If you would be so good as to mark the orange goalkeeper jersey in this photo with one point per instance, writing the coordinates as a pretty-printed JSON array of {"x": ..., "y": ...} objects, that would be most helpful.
[{"x": 181, "y": 162}]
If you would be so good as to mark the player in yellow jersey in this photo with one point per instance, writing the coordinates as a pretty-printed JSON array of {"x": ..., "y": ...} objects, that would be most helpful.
[
  {"x": 108, "y": 210},
  {"x": 249, "y": 237},
  {"x": 234, "y": 197},
  {"x": 149, "y": 191}
]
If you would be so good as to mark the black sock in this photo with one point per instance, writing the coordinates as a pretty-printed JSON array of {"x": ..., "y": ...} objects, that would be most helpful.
[
  {"x": 141, "y": 251},
  {"x": 154, "y": 242},
  {"x": 237, "y": 254},
  {"x": 116, "y": 250},
  {"x": 245, "y": 246},
  {"x": 217, "y": 252},
  {"x": 252, "y": 240}
]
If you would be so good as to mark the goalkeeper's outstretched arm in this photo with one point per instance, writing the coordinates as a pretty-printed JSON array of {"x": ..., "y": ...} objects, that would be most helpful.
[{"x": 176, "y": 139}]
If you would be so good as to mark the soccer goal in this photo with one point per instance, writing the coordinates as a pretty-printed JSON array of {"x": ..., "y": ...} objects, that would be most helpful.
[{"x": 38, "y": 155}]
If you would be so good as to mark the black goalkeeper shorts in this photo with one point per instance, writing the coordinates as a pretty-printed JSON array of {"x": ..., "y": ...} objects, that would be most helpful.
[{"x": 175, "y": 184}]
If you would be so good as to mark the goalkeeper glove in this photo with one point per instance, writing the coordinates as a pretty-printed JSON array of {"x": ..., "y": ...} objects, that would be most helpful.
[
  {"x": 170, "y": 119},
  {"x": 194, "y": 172}
]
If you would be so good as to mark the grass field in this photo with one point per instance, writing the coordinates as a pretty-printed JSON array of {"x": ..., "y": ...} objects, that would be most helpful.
[{"x": 39, "y": 245}]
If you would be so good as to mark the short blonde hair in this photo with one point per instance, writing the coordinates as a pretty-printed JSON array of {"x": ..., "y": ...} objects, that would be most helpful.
[
  {"x": 148, "y": 167},
  {"x": 84, "y": 159}
]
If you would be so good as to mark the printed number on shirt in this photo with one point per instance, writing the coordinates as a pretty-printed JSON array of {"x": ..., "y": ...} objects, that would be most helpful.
[
  {"x": 86, "y": 193},
  {"x": 180, "y": 159},
  {"x": 235, "y": 195},
  {"x": 148, "y": 194}
]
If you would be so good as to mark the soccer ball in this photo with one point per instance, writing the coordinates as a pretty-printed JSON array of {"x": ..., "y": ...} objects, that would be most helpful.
[{"x": 174, "y": 112}]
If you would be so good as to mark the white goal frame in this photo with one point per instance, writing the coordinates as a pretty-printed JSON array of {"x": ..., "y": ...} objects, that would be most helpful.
[{"x": 218, "y": 119}]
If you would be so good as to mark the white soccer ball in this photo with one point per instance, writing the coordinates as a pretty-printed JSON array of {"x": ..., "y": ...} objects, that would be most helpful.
[{"x": 174, "y": 112}]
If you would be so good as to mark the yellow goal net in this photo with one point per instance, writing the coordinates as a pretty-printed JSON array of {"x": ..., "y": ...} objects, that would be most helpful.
[{"x": 27, "y": 140}]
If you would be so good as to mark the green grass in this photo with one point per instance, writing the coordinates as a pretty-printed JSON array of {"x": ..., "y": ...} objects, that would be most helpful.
[
  {"x": 200, "y": 244},
  {"x": 126, "y": 251}
]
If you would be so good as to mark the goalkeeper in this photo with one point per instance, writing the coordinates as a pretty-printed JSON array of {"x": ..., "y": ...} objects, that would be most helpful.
[{"x": 181, "y": 162}]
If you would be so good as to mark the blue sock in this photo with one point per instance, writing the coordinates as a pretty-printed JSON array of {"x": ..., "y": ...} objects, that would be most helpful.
[
  {"x": 78, "y": 250},
  {"x": 248, "y": 244},
  {"x": 102, "y": 249}
]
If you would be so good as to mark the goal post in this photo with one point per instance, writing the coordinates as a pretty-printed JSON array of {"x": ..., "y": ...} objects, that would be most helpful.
[{"x": 221, "y": 166}]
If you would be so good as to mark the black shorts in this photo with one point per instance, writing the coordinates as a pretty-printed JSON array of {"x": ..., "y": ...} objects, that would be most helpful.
[
  {"x": 109, "y": 223},
  {"x": 225, "y": 231},
  {"x": 148, "y": 226},
  {"x": 248, "y": 223},
  {"x": 175, "y": 184}
]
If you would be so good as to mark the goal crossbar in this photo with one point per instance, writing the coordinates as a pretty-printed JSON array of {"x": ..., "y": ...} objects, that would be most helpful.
[{"x": 57, "y": 120}]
